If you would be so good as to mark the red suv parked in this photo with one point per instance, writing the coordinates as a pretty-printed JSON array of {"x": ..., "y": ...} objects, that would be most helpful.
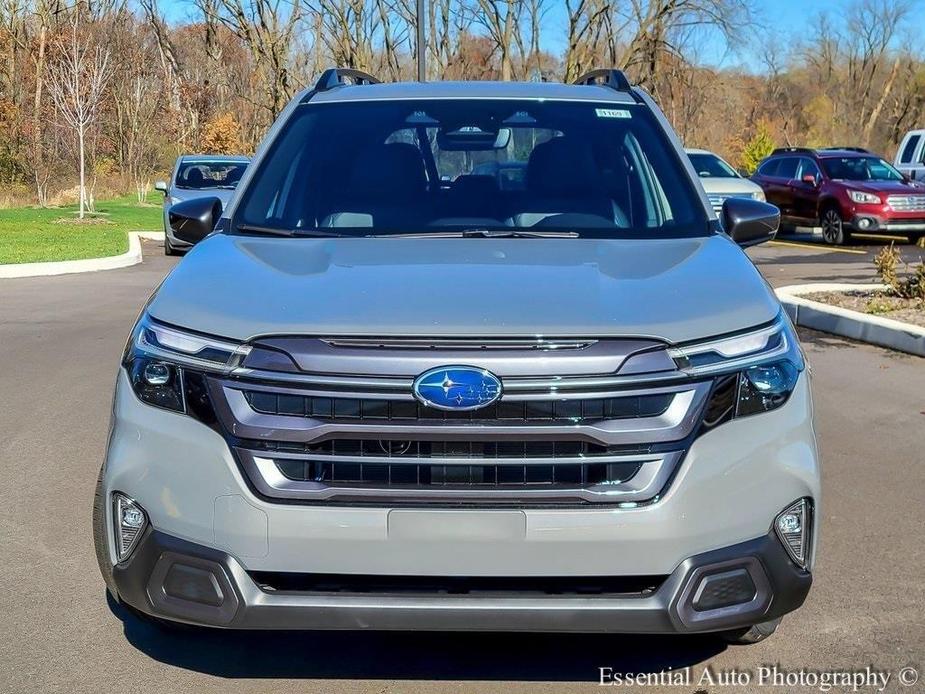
[{"x": 843, "y": 190}]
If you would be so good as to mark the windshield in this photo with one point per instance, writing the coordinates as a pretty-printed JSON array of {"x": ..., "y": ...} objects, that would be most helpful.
[
  {"x": 711, "y": 166},
  {"x": 201, "y": 175},
  {"x": 860, "y": 169},
  {"x": 409, "y": 167}
]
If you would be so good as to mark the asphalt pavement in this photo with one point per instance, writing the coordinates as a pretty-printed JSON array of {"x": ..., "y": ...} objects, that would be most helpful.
[{"x": 60, "y": 341}]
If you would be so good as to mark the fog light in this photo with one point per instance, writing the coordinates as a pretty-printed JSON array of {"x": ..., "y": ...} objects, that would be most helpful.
[
  {"x": 129, "y": 521},
  {"x": 793, "y": 528},
  {"x": 789, "y": 523},
  {"x": 864, "y": 223},
  {"x": 156, "y": 373}
]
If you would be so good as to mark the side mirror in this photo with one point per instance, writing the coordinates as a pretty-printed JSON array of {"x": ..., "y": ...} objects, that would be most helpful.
[
  {"x": 161, "y": 186},
  {"x": 750, "y": 222},
  {"x": 192, "y": 220},
  {"x": 810, "y": 179}
]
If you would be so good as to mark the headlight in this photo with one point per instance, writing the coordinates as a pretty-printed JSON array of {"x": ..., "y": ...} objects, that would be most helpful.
[
  {"x": 864, "y": 198},
  {"x": 755, "y": 371},
  {"x": 759, "y": 195},
  {"x": 165, "y": 364}
]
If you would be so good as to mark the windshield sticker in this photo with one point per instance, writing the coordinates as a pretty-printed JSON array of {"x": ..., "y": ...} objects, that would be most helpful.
[{"x": 612, "y": 113}]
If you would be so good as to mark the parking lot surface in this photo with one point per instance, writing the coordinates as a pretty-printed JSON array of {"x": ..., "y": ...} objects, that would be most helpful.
[{"x": 60, "y": 341}]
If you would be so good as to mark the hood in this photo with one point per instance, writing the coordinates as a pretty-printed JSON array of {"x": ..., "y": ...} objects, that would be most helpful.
[
  {"x": 889, "y": 187},
  {"x": 729, "y": 186},
  {"x": 675, "y": 290}
]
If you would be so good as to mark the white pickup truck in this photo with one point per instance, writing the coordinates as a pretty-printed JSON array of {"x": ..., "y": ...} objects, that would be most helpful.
[{"x": 910, "y": 156}]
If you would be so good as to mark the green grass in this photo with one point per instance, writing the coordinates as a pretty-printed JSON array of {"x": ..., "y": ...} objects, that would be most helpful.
[{"x": 31, "y": 235}]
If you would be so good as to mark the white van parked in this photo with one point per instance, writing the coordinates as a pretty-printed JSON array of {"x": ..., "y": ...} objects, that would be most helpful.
[{"x": 910, "y": 156}]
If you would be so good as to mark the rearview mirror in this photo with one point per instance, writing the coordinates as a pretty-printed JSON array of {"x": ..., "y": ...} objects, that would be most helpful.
[
  {"x": 750, "y": 222},
  {"x": 161, "y": 186},
  {"x": 193, "y": 220},
  {"x": 472, "y": 138}
]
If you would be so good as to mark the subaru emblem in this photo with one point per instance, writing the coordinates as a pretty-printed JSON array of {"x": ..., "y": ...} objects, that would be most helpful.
[{"x": 457, "y": 388}]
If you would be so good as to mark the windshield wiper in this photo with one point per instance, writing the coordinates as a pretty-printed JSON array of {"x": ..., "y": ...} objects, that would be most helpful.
[
  {"x": 517, "y": 234},
  {"x": 275, "y": 231},
  {"x": 480, "y": 234}
]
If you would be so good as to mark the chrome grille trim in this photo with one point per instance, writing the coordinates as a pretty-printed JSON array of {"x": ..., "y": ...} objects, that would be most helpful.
[
  {"x": 645, "y": 485},
  {"x": 672, "y": 425},
  {"x": 400, "y": 387},
  {"x": 907, "y": 203},
  {"x": 717, "y": 200},
  {"x": 450, "y": 343}
]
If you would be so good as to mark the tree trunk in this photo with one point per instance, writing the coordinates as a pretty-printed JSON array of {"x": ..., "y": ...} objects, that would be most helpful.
[
  {"x": 38, "y": 159},
  {"x": 83, "y": 183}
]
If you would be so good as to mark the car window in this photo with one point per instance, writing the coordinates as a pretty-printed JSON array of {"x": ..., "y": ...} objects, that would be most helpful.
[
  {"x": 860, "y": 169},
  {"x": 711, "y": 166},
  {"x": 769, "y": 168},
  {"x": 788, "y": 168},
  {"x": 909, "y": 150},
  {"x": 808, "y": 167},
  {"x": 205, "y": 174},
  {"x": 409, "y": 166}
]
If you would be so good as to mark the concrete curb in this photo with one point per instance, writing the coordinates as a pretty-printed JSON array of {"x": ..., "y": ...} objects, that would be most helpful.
[
  {"x": 66, "y": 267},
  {"x": 876, "y": 330}
]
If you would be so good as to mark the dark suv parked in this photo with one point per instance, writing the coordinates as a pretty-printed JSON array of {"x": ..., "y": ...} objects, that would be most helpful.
[{"x": 843, "y": 190}]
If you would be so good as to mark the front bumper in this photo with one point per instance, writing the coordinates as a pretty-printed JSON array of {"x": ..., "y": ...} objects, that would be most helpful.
[
  {"x": 726, "y": 492},
  {"x": 877, "y": 224},
  {"x": 164, "y": 571}
]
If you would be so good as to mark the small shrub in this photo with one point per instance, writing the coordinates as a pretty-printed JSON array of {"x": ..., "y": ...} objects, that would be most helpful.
[
  {"x": 757, "y": 148},
  {"x": 910, "y": 286},
  {"x": 877, "y": 306}
]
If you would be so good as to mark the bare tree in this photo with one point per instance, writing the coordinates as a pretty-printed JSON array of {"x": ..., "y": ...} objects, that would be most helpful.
[
  {"x": 268, "y": 29},
  {"x": 77, "y": 82},
  {"x": 501, "y": 19}
]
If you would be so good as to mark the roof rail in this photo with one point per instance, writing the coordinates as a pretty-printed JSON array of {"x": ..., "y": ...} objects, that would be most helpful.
[
  {"x": 339, "y": 76},
  {"x": 607, "y": 77},
  {"x": 785, "y": 150},
  {"x": 846, "y": 149}
]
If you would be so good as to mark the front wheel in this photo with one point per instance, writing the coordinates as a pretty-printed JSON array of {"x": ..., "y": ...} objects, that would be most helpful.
[
  {"x": 752, "y": 634},
  {"x": 168, "y": 248},
  {"x": 834, "y": 232}
]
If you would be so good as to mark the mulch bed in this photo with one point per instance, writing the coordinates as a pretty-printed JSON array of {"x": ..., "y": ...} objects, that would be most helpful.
[{"x": 876, "y": 303}]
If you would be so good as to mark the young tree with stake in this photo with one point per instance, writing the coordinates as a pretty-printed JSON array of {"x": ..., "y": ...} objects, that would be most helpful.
[{"x": 77, "y": 79}]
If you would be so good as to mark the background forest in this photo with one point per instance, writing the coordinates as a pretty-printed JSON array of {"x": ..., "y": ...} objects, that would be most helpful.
[{"x": 126, "y": 86}]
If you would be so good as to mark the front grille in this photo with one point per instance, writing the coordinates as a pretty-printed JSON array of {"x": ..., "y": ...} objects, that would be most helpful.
[
  {"x": 907, "y": 203},
  {"x": 495, "y": 586},
  {"x": 341, "y": 426},
  {"x": 717, "y": 200},
  {"x": 576, "y": 411},
  {"x": 474, "y": 450},
  {"x": 396, "y": 475}
]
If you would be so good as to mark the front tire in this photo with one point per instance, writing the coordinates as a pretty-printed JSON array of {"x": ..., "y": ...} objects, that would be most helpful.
[
  {"x": 834, "y": 232},
  {"x": 168, "y": 249},
  {"x": 752, "y": 634}
]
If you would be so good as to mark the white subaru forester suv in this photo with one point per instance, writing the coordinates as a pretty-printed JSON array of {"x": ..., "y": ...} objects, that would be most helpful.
[{"x": 464, "y": 356}]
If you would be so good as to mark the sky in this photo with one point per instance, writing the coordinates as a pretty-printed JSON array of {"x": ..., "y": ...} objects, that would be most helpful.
[{"x": 783, "y": 20}]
